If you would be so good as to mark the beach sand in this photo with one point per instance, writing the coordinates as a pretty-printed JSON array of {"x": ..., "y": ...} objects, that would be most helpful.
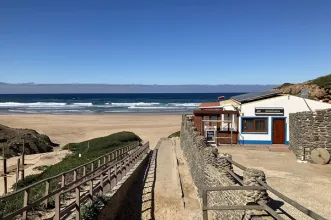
[{"x": 64, "y": 129}]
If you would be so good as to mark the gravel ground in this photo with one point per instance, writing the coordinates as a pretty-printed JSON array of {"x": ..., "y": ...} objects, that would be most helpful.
[{"x": 307, "y": 184}]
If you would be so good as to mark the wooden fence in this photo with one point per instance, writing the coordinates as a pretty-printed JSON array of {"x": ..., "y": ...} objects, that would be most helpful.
[
  {"x": 81, "y": 183},
  {"x": 260, "y": 205}
]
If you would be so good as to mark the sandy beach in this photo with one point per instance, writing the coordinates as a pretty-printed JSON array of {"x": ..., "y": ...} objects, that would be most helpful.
[{"x": 64, "y": 129}]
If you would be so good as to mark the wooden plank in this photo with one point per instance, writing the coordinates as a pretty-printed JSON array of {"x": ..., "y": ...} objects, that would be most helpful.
[
  {"x": 57, "y": 207},
  {"x": 46, "y": 193},
  {"x": 63, "y": 180},
  {"x": 236, "y": 164},
  {"x": 25, "y": 203},
  {"x": 4, "y": 172},
  {"x": 204, "y": 203},
  {"x": 304, "y": 210},
  {"x": 17, "y": 172},
  {"x": 270, "y": 211},
  {"x": 77, "y": 207}
]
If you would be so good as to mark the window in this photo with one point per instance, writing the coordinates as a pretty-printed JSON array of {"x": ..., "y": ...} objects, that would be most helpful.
[
  {"x": 254, "y": 125},
  {"x": 214, "y": 121}
]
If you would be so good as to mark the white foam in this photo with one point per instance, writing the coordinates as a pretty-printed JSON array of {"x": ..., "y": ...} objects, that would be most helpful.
[
  {"x": 132, "y": 104},
  {"x": 82, "y": 104},
  {"x": 34, "y": 104},
  {"x": 185, "y": 104}
]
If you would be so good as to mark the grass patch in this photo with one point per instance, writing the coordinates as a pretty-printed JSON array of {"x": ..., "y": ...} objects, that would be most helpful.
[
  {"x": 176, "y": 134},
  {"x": 323, "y": 81},
  {"x": 41, "y": 168},
  {"x": 97, "y": 147},
  {"x": 284, "y": 85}
]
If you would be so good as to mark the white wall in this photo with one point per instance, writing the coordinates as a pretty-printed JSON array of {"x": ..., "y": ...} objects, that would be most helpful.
[{"x": 291, "y": 104}]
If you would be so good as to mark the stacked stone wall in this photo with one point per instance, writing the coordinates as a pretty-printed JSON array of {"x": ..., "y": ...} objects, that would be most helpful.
[
  {"x": 309, "y": 130},
  {"x": 208, "y": 169}
]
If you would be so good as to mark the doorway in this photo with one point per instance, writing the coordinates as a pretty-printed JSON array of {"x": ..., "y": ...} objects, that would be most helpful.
[{"x": 278, "y": 131}]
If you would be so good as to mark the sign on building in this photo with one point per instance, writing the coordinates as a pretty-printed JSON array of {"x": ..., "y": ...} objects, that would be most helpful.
[{"x": 269, "y": 111}]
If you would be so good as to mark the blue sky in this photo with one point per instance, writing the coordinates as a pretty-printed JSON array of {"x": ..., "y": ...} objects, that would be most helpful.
[{"x": 164, "y": 42}]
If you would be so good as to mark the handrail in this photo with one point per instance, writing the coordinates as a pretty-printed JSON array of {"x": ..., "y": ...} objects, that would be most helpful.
[
  {"x": 81, "y": 181},
  {"x": 296, "y": 205},
  {"x": 63, "y": 173}
]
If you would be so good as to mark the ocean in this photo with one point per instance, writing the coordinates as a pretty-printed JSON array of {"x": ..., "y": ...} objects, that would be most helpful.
[{"x": 174, "y": 103}]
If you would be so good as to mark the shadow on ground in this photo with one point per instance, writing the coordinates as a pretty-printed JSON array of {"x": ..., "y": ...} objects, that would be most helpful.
[{"x": 139, "y": 201}]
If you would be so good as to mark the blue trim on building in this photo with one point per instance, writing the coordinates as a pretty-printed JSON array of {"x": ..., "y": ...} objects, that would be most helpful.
[
  {"x": 254, "y": 142},
  {"x": 285, "y": 129},
  {"x": 254, "y": 117}
]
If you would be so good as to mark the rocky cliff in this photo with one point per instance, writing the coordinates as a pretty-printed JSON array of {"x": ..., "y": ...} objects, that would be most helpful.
[
  {"x": 319, "y": 88},
  {"x": 12, "y": 140}
]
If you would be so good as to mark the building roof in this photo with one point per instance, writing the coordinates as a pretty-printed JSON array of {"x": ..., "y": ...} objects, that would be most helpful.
[
  {"x": 210, "y": 105},
  {"x": 249, "y": 97}
]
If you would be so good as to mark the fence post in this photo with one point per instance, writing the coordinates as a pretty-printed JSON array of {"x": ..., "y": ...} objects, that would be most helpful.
[
  {"x": 57, "y": 206},
  {"x": 46, "y": 193},
  {"x": 204, "y": 205},
  {"x": 23, "y": 161},
  {"x": 4, "y": 172},
  {"x": 17, "y": 172},
  {"x": 99, "y": 162},
  {"x": 91, "y": 190},
  {"x": 101, "y": 183},
  {"x": 84, "y": 170},
  {"x": 77, "y": 203},
  {"x": 63, "y": 180},
  {"x": 25, "y": 203}
]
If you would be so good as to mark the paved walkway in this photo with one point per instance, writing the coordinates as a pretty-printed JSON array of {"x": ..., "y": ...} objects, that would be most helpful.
[{"x": 164, "y": 198}]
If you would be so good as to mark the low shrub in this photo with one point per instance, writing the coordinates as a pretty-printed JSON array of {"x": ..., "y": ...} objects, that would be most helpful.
[{"x": 176, "y": 134}]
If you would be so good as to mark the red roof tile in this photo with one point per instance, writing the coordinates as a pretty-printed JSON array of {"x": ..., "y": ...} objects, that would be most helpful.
[{"x": 210, "y": 105}]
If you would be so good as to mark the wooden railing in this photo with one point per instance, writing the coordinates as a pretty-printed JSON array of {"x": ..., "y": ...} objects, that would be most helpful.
[
  {"x": 102, "y": 172},
  {"x": 259, "y": 205}
]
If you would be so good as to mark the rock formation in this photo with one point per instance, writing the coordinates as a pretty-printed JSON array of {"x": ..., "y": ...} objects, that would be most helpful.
[
  {"x": 319, "y": 88},
  {"x": 12, "y": 140}
]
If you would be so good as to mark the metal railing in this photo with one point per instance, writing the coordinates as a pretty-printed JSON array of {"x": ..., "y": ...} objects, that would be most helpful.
[
  {"x": 109, "y": 166},
  {"x": 259, "y": 205}
]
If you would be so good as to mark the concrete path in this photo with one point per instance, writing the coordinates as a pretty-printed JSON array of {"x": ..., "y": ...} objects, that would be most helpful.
[{"x": 172, "y": 194}]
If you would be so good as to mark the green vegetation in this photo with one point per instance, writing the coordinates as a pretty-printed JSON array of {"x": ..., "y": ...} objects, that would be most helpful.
[
  {"x": 176, "y": 134},
  {"x": 41, "y": 168},
  {"x": 323, "y": 81},
  {"x": 91, "y": 210},
  {"x": 97, "y": 147},
  {"x": 285, "y": 85}
]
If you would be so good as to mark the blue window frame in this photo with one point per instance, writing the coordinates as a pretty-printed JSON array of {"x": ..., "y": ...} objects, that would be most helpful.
[{"x": 254, "y": 125}]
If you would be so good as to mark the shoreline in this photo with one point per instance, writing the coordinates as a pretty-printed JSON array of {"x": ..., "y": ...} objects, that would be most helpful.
[{"x": 100, "y": 113}]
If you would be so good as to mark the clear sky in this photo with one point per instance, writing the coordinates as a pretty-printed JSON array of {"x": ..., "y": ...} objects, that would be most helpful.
[{"x": 164, "y": 41}]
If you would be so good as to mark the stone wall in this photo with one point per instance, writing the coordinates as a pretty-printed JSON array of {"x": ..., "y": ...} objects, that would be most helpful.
[
  {"x": 309, "y": 130},
  {"x": 209, "y": 169}
]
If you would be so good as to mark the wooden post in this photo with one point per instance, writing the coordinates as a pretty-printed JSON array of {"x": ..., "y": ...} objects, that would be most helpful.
[
  {"x": 63, "y": 180},
  {"x": 101, "y": 183},
  {"x": 77, "y": 203},
  {"x": 5, "y": 174},
  {"x": 25, "y": 203},
  {"x": 91, "y": 190},
  {"x": 46, "y": 193},
  {"x": 204, "y": 204},
  {"x": 4, "y": 169},
  {"x": 99, "y": 162},
  {"x": 57, "y": 206},
  {"x": 84, "y": 170},
  {"x": 23, "y": 161},
  {"x": 17, "y": 172}
]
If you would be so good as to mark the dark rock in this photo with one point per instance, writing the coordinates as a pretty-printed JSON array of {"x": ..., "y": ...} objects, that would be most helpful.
[{"x": 12, "y": 139}]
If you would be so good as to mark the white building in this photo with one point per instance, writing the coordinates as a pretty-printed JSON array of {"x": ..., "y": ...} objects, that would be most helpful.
[{"x": 263, "y": 116}]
